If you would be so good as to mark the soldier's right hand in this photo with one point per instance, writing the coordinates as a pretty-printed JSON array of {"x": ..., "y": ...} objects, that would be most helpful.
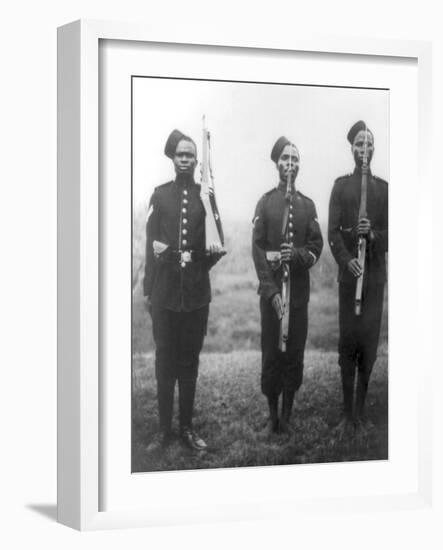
[
  {"x": 364, "y": 227},
  {"x": 159, "y": 248},
  {"x": 216, "y": 249},
  {"x": 354, "y": 267},
  {"x": 277, "y": 304}
]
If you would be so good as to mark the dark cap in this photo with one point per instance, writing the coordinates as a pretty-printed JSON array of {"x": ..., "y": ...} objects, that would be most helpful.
[
  {"x": 173, "y": 140},
  {"x": 358, "y": 127},
  {"x": 279, "y": 145}
]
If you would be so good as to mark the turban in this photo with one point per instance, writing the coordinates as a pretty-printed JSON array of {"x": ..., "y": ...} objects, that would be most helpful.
[
  {"x": 356, "y": 128},
  {"x": 173, "y": 140},
  {"x": 279, "y": 145}
]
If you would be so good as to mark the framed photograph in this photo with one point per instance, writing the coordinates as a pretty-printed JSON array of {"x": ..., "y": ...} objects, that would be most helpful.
[{"x": 231, "y": 329}]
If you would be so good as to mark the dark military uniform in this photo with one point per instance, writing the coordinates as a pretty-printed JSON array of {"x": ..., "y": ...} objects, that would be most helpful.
[
  {"x": 284, "y": 370},
  {"x": 177, "y": 281},
  {"x": 358, "y": 334}
]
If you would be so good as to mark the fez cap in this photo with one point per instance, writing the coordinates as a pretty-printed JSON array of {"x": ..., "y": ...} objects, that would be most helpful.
[
  {"x": 279, "y": 145},
  {"x": 173, "y": 140},
  {"x": 356, "y": 128}
]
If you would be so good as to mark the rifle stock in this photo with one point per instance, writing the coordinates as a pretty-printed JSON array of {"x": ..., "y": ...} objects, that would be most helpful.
[
  {"x": 286, "y": 296},
  {"x": 359, "y": 288},
  {"x": 213, "y": 227}
]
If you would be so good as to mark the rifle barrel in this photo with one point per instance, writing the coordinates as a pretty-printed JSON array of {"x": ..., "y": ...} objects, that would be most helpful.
[
  {"x": 361, "y": 249},
  {"x": 286, "y": 277}
]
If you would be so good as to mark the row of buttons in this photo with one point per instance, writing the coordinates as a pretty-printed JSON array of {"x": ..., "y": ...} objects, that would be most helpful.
[
  {"x": 291, "y": 225},
  {"x": 184, "y": 231}
]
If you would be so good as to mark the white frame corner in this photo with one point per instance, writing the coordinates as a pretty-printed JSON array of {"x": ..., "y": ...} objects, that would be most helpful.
[{"x": 78, "y": 250}]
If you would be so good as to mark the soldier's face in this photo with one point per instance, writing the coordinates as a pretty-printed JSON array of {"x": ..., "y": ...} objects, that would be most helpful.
[
  {"x": 185, "y": 158},
  {"x": 358, "y": 147},
  {"x": 288, "y": 163}
]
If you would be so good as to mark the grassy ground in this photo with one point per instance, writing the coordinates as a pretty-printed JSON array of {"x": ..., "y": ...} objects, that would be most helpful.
[{"x": 231, "y": 416}]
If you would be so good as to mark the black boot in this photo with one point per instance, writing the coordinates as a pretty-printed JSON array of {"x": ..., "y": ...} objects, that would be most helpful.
[
  {"x": 345, "y": 428},
  {"x": 362, "y": 391},
  {"x": 287, "y": 405},
  {"x": 165, "y": 397},
  {"x": 273, "y": 413},
  {"x": 186, "y": 397},
  {"x": 348, "y": 379}
]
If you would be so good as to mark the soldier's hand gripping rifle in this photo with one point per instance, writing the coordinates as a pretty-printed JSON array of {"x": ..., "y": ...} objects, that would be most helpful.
[
  {"x": 213, "y": 226},
  {"x": 362, "y": 239},
  {"x": 286, "y": 276}
]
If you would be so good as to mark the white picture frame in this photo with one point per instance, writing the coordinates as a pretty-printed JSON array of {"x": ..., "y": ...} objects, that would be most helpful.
[{"x": 79, "y": 412}]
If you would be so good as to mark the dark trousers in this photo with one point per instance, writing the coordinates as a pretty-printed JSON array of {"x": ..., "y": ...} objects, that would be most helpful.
[
  {"x": 282, "y": 371},
  {"x": 358, "y": 342},
  {"x": 178, "y": 340}
]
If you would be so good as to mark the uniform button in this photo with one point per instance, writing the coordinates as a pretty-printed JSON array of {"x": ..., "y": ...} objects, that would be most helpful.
[
  {"x": 184, "y": 231},
  {"x": 185, "y": 192},
  {"x": 185, "y": 201},
  {"x": 291, "y": 225},
  {"x": 290, "y": 207},
  {"x": 183, "y": 264},
  {"x": 290, "y": 216},
  {"x": 185, "y": 221},
  {"x": 184, "y": 210},
  {"x": 184, "y": 242},
  {"x": 291, "y": 235}
]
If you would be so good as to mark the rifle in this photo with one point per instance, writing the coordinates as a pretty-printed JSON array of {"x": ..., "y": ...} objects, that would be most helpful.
[
  {"x": 362, "y": 240},
  {"x": 286, "y": 277},
  {"x": 213, "y": 226}
]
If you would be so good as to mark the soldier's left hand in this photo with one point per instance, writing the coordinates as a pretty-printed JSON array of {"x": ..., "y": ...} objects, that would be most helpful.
[
  {"x": 216, "y": 250},
  {"x": 364, "y": 227},
  {"x": 287, "y": 251}
]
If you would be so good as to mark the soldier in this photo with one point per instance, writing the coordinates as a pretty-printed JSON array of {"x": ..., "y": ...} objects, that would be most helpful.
[
  {"x": 177, "y": 288},
  {"x": 282, "y": 371},
  {"x": 359, "y": 334}
]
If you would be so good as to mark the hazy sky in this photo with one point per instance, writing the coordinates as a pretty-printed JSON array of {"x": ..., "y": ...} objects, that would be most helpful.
[{"x": 245, "y": 120}]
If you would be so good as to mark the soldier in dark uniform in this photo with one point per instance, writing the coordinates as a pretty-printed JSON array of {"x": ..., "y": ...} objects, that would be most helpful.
[
  {"x": 177, "y": 288},
  {"x": 282, "y": 372},
  {"x": 359, "y": 334}
]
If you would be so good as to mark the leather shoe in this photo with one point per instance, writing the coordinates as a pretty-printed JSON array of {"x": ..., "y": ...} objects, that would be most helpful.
[
  {"x": 159, "y": 442},
  {"x": 274, "y": 426},
  {"x": 345, "y": 429},
  {"x": 284, "y": 427},
  {"x": 192, "y": 440}
]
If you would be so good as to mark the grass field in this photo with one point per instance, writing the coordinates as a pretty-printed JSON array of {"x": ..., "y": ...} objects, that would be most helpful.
[{"x": 231, "y": 415}]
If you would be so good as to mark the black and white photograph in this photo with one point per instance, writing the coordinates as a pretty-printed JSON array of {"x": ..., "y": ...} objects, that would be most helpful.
[{"x": 259, "y": 274}]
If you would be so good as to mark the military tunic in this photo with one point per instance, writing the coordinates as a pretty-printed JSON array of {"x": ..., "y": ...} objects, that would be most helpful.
[
  {"x": 284, "y": 370},
  {"x": 176, "y": 217},
  {"x": 179, "y": 290},
  {"x": 359, "y": 335}
]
